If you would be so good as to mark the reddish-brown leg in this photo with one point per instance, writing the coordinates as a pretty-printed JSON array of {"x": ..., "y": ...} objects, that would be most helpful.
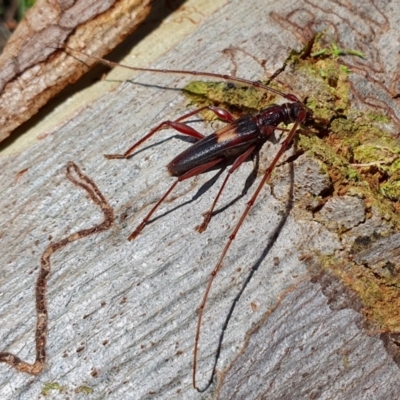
[
  {"x": 218, "y": 266},
  {"x": 193, "y": 172},
  {"x": 238, "y": 162},
  {"x": 178, "y": 126}
]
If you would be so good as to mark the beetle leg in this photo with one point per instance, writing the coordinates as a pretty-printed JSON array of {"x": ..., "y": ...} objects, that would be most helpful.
[
  {"x": 193, "y": 172},
  {"x": 178, "y": 126},
  {"x": 238, "y": 162}
]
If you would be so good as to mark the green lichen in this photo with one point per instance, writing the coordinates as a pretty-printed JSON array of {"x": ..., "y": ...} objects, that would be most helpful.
[
  {"x": 84, "y": 389},
  {"x": 50, "y": 386},
  {"x": 54, "y": 386}
]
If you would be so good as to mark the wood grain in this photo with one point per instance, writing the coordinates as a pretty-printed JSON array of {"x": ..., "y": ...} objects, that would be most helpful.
[{"x": 123, "y": 314}]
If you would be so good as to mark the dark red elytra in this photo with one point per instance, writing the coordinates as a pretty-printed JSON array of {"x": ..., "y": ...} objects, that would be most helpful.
[{"x": 238, "y": 140}]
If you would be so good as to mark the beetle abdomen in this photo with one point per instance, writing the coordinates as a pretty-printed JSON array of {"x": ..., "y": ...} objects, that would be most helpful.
[{"x": 232, "y": 139}]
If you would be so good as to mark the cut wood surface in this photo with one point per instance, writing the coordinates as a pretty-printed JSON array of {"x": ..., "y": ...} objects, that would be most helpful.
[{"x": 122, "y": 315}]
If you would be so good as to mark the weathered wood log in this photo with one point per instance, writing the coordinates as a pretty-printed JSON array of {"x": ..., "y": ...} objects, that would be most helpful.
[{"x": 123, "y": 314}]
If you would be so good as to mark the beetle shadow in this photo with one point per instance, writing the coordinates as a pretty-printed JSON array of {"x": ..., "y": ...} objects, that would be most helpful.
[
  {"x": 205, "y": 187},
  {"x": 247, "y": 185},
  {"x": 270, "y": 243}
]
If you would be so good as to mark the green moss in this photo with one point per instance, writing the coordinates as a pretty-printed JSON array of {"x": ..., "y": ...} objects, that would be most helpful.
[
  {"x": 238, "y": 99},
  {"x": 391, "y": 190},
  {"x": 379, "y": 294},
  {"x": 361, "y": 158},
  {"x": 335, "y": 163},
  {"x": 354, "y": 146},
  {"x": 333, "y": 50}
]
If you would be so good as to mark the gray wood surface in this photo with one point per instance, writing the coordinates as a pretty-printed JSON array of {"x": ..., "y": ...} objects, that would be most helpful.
[{"x": 123, "y": 314}]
